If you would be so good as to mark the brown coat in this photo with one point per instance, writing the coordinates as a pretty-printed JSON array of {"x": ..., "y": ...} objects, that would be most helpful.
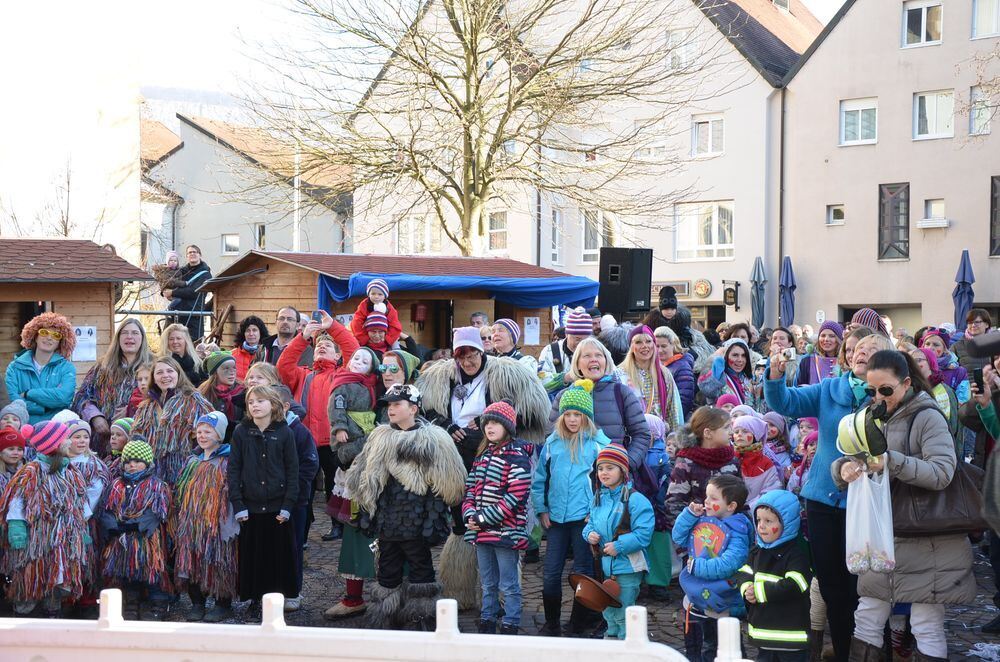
[{"x": 935, "y": 569}]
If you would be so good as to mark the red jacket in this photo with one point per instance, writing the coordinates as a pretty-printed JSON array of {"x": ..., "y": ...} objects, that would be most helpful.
[
  {"x": 320, "y": 385},
  {"x": 243, "y": 361},
  {"x": 361, "y": 314}
]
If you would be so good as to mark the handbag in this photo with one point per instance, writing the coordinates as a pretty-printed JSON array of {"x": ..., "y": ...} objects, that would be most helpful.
[{"x": 957, "y": 509}]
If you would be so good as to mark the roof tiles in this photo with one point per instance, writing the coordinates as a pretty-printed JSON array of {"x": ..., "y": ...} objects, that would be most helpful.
[{"x": 62, "y": 261}]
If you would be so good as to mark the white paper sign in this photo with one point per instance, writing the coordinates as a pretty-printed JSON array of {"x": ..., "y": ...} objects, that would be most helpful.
[
  {"x": 532, "y": 330},
  {"x": 344, "y": 319},
  {"x": 86, "y": 343},
  {"x": 820, "y": 316}
]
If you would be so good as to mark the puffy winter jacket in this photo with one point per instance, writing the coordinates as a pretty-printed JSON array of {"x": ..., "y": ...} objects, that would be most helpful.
[
  {"x": 361, "y": 314},
  {"x": 681, "y": 366},
  {"x": 631, "y": 547},
  {"x": 193, "y": 277},
  {"x": 244, "y": 360},
  {"x": 47, "y": 393},
  {"x": 718, "y": 547},
  {"x": 561, "y": 487},
  {"x": 263, "y": 469},
  {"x": 496, "y": 496}
]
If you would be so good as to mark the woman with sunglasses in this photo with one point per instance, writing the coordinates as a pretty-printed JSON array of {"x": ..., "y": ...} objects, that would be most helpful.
[
  {"x": 43, "y": 376},
  {"x": 931, "y": 571},
  {"x": 826, "y": 504},
  {"x": 952, "y": 373}
]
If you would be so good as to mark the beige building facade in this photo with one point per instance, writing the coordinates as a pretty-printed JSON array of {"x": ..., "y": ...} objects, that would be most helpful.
[{"x": 892, "y": 162}]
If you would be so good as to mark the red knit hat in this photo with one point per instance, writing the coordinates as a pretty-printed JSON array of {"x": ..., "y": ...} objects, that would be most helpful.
[
  {"x": 502, "y": 412},
  {"x": 376, "y": 321},
  {"x": 615, "y": 454},
  {"x": 10, "y": 438}
]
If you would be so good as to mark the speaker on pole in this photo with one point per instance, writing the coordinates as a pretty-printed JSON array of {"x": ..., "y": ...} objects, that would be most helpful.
[{"x": 626, "y": 278}]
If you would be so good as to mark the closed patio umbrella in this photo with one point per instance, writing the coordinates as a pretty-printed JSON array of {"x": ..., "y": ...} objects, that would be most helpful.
[
  {"x": 962, "y": 295},
  {"x": 757, "y": 282},
  {"x": 786, "y": 293}
]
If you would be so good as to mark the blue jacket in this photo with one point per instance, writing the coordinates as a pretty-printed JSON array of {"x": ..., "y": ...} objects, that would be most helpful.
[
  {"x": 563, "y": 488},
  {"x": 719, "y": 548},
  {"x": 631, "y": 547},
  {"x": 683, "y": 371},
  {"x": 305, "y": 445},
  {"x": 787, "y": 506},
  {"x": 47, "y": 393},
  {"x": 829, "y": 401}
]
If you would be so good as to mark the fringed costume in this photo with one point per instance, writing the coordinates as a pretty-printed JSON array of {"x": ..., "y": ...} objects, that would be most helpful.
[
  {"x": 168, "y": 422},
  {"x": 134, "y": 515},
  {"x": 205, "y": 529},
  {"x": 97, "y": 478},
  {"x": 100, "y": 389}
]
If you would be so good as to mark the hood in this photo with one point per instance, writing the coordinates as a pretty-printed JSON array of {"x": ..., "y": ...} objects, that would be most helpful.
[
  {"x": 786, "y": 505},
  {"x": 221, "y": 451}
]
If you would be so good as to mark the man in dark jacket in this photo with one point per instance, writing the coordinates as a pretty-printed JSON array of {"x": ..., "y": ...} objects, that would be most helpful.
[
  {"x": 271, "y": 347},
  {"x": 193, "y": 274}
]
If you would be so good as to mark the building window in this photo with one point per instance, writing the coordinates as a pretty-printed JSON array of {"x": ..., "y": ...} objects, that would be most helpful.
[
  {"x": 835, "y": 215},
  {"x": 704, "y": 231},
  {"x": 922, "y": 22},
  {"x": 260, "y": 236},
  {"x": 498, "y": 230},
  {"x": 986, "y": 18},
  {"x": 995, "y": 216},
  {"x": 230, "y": 244},
  {"x": 933, "y": 114},
  {"x": 934, "y": 208},
  {"x": 680, "y": 49},
  {"x": 418, "y": 235},
  {"x": 652, "y": 139},
  {"x": 592, "y": 224},
  {"x": 707, "y": 135},
  {"x": 894, "y": 221},
  {"x": 557, "y": 236},
  {"x": 980, "y": 111},
  {"x": 858, "y": 121}
]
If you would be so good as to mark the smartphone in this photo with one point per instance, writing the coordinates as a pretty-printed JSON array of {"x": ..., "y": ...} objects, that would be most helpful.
[
  {"x": 317, "y": 316},
  {"x": 977, "y": 379}
]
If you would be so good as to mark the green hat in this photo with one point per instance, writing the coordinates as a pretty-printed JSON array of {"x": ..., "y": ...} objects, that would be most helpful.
[
  {"x": 578, "y": 398},
  {"x": 216, "y": 359},
  {"x": 138, "y": 450},
  {"x": 409, "y": 361},
  {"x": 125, "y": 425}
]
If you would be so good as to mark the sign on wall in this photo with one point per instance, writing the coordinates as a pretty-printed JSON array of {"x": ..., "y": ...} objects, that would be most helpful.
[
  {"x": 532, "y": 331},
  {"x": 86, "y": 343}
]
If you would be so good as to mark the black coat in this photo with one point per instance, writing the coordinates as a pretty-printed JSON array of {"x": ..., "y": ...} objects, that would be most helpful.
[
  {"x": 263, "y": 469},
  {"x": 193, "y": 277}
]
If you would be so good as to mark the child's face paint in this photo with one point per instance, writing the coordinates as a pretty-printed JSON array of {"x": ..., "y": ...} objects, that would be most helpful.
[
  {"x": 769, "y": 526},
  {"x": 715, "y": 503}
]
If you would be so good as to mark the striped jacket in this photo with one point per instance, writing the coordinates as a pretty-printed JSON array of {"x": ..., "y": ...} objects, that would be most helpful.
[{"x": 496, "y": 495}]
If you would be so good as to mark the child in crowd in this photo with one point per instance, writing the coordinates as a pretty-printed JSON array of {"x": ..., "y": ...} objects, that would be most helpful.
[
  {"x": 561, "y": 492},
  {"x": 659, "y": 553},
  {"x": 121, "y": 433},
  {"x": 41, "y": 498},
  {"x": 726, "y": 402},
  {"x": 775, "y": 582},
  {"x": 621, "y": 526},
  {"x": 776, "y": 447},
  {"x": 143, "y": 377},
  {"x": 743, "y": 410},
  {"x": 205, "y": 526},
  {"x": 495, "y": 512},
  {"x": 168, "y": 276},
  {"x": 11, "y": 454},
  {"x": 97, "y": 479},
  {"x": 757, "y": 471},
  {"x": 704, "y": 452},
  {"x": 376, "y": 304},
  {"x": 135, "y": 555},
  {"x": 14, "y": 415},
  {"x": 716, "y": 534},
  {"x": 263, "y": 477},
  {"x": 799, "y": 475}
]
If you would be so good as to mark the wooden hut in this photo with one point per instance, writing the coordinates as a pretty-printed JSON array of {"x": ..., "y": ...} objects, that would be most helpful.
[
  {"x": 75, "y": 278},
  {"x": 432, "y": 294}
]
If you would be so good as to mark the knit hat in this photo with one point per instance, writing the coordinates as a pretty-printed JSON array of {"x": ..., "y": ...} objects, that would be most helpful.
[
  {"x": 643, "y": 330},
  {"x": 813, "y": 421},
  {"x": 657, "y": 428},
  {"x": 409, "y": 361},
  {"x": 578, "y": 323},
  {"x": 373, "y": 360},
  {"x": 376, "y": 321},
  {"x": 608, "y": 322},
  {"x": 467, "y": 336},
  {"x": 18, "y": 409},
  {"x": 811, "y": 439},
  {"x": 512, "y": 327},
  {"x": 125, "y": 425},
  {"x": 503, "y": 413},
  {"x": 215, "y": 360},
  {"x": 138, "y": 450},
  {"x": 65, "y": 416},
  {"x": 402, "y": 393},
  {"x": 755, "y": 426},
  {"x": 578, "y": 397},
  {"x": 379, "y": 285},
  {"x": 76, "y": 426},
  {"x": 777, "y": 420},
  {"x": 871, "y": 319},
  {"x": 614, "y": 453},
  {"x": 171, "y": 254},
  {"x": 832, "y": 325},
  {"x": 727, "y": 399},
  {"x": 10, "y": 438},
  {"x": 47, "y": 437},
  {"x": 668, "y": 297},
  {"x": 743, "y": 410},
  {"x": 217, "y": 420}
]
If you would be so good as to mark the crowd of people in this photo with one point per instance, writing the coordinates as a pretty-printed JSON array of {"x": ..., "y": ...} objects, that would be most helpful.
[{"x": 641, "y": 452}]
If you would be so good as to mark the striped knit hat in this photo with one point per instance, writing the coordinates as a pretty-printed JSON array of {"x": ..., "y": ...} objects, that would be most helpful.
[
  {"x": 379, "y": 285},
  {"x": 125, "y": 425},
  {"x": 578, "y": 398},
  {"x": 77, "y": 425},
  {"x": 376, "y": 321},
  {"x": 502, "y": 412},
  {"x": 512, "y": 327},
  {"x": 578, "y": 323},
  {"x": 138, "y": 450},
  {"x": 871, "y": 319},
  {"x": 616, "y": 454},
  {"x": 47, "y": 437}
]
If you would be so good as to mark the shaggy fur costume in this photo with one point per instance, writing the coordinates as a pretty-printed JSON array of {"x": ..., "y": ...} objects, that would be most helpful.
[
  {"x": 459, "y": 572},
  {"x": 505, "y": 378}
]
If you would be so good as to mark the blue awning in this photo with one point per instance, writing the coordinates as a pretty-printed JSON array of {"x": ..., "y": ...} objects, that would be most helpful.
[{"x": 570, "y": 291}]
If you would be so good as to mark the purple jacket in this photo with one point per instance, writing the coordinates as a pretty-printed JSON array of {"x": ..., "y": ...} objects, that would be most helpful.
[{"x": 683, "y": 371}]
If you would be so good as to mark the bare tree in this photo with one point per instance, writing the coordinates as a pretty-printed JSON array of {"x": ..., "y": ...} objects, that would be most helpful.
[{"x": 484, "y": 99}]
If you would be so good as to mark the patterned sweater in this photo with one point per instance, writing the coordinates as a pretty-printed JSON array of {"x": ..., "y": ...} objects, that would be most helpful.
[{"x": 496, "y": 495}]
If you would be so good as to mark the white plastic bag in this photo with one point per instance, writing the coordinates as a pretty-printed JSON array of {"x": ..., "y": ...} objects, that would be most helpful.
[{"x": 870, "y": 546}]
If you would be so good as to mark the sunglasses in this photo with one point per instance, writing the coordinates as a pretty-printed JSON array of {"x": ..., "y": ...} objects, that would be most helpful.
[
  {"x": 388, "y": 368},
  {"x": 884, "y": 390},
  {"x": 48, "y": 333}
]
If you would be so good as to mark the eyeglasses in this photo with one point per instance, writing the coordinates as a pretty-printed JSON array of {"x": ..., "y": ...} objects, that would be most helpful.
[
  {"x": 49, "y": 333},
  {"x": 388, "y": 368},
  {"x": 288, "y": 319},
  {"x": 885, "y": 390},
  {"x": 976, "y": 322}
]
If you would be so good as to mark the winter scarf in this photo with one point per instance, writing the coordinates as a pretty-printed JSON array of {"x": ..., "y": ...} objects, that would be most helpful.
[
  {"x": 753, "y": 462},
  {"x": 224, "y": 395},
  {"x": 712, "y": 458},
  {"x": 347, "y": 377}
]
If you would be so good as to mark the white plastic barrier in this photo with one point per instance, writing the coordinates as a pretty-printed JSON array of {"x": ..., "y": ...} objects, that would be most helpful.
[{"x": 111, "y": 638}]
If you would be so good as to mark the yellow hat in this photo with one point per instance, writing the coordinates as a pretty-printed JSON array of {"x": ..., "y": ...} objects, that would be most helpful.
[{"x": 860, "y": 434}]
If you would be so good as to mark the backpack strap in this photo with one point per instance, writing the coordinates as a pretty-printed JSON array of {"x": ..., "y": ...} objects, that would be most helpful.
[
  {"x": 306, "y": 386},
  {"x": 909, "y": 427},
  {"x": 557, "y": 361}
]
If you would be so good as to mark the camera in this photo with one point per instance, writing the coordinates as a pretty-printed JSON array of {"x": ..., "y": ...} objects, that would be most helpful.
[{"x": 789, "y": 354}]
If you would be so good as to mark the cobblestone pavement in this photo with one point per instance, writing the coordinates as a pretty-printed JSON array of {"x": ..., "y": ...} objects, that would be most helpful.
[{"x": 322, "y": 588}]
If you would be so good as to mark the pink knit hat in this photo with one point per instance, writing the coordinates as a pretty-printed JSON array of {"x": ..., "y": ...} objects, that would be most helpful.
[
  {"x": 727, "y": 399},
  {"x": 467, "y": 336},
  {"x": 47, "y": 437},
  {"x": 755, "y": 426}
]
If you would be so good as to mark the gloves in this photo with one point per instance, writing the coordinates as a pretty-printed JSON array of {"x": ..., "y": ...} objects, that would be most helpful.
[
  {"x": 86, "y": 538},
  {"x": 380, "y": 308},
  {"x": 242, "y": 516},
  {"x": 148, "y": 522},
  {"x": 128, "y": 525},
  {"x": 17, "y": 533}
]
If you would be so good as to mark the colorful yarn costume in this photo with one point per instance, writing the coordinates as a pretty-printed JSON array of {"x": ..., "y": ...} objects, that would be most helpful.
[
  {"x": 97, "y": 480},
  {"x": 137, "y": 507},
  {"x": 168, "y": 422},
  {"x": 102, "y": 390}
]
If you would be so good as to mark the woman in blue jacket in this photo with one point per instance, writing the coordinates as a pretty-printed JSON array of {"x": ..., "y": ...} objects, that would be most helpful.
[
  {"x": 43, "y": 375},
  {"x": 826, "y": 504}
]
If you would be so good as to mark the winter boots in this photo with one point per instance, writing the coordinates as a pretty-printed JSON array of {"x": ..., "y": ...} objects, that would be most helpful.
[
  {"x": 552, "y": 604},
  {"x": 404, "y": 607},
  {"x": 862, "y": 651}
]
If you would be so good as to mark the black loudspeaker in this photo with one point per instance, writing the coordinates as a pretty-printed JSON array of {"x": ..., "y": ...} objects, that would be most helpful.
[{"x": 626, "y": 277}]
